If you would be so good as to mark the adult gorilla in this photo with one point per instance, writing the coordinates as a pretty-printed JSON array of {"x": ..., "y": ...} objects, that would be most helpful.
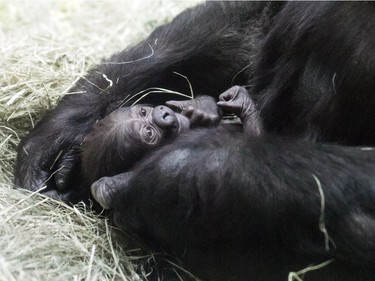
[
  {"x": 310, "y": 65},
  {"x": 310, "y": 68}
]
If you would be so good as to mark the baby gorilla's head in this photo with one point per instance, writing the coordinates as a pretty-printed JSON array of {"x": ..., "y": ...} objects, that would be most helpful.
[{"x": 123, "y": 137}]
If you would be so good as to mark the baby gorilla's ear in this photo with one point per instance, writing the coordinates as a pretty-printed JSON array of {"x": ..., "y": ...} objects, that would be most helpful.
[{"x": 105, "y": 189}]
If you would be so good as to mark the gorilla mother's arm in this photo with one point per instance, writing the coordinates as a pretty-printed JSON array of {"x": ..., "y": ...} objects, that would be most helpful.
[{"x": 209, "y": 66}]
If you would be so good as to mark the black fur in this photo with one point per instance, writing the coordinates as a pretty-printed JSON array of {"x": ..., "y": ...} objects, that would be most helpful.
[{"x": 316, "y": 72}]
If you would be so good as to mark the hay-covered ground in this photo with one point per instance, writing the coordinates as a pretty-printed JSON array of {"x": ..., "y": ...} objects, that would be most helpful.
[{"x": 45, "y": 46}]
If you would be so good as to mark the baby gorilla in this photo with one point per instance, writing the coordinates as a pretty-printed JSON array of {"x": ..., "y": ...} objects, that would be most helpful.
[{"x": 126, "y": 135}]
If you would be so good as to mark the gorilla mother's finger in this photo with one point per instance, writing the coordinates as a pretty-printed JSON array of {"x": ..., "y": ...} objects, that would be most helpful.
[
  {"x": 65, "y": 167},
  {"x": 230, "y": 94},
  {"x": 229, "y": 106}
]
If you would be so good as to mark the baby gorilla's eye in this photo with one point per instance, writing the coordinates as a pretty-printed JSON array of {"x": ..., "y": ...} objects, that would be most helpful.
[
  {"x": 149, "y": 135},
  {"x": 143, "y": 112},
  {"x": 149, "y": 132}
]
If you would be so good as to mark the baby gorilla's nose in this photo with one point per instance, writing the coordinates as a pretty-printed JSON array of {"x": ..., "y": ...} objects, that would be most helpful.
[{"x": 164, "y": 117}]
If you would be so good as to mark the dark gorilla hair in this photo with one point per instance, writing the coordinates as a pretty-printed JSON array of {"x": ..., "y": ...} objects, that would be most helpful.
[{"x": 316, "y": 73}]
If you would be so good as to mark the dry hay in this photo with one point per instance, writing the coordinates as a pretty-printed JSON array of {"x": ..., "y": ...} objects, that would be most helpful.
[
  {"x": 45, "y": 46},
  {"x": 42, "y": 239}
]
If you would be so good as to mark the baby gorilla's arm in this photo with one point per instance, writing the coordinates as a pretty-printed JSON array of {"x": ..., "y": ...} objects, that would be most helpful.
[
  {"x": 238, "y": 101},
  {"x": 202, "y": 111}
]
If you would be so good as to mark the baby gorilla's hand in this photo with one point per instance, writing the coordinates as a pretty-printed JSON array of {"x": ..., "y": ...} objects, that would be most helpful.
[
  {"x": 202, "y": 111},
  {"x": 238, "y": 101}
]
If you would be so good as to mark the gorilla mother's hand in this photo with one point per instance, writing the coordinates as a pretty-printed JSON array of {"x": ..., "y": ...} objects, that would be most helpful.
[
  {"x": 202, "y": 111},
  {"x": 49, "y": 154},
  {"x": 43, "y": 162}
]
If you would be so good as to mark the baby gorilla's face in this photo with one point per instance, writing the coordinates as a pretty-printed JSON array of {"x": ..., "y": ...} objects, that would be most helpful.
[
  {"x": 126, "y": 135},
  {"x": 155, "y": 124}
]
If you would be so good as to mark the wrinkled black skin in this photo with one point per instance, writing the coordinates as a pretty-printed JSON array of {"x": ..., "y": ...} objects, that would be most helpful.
[{"x": 239, "y": 208}]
